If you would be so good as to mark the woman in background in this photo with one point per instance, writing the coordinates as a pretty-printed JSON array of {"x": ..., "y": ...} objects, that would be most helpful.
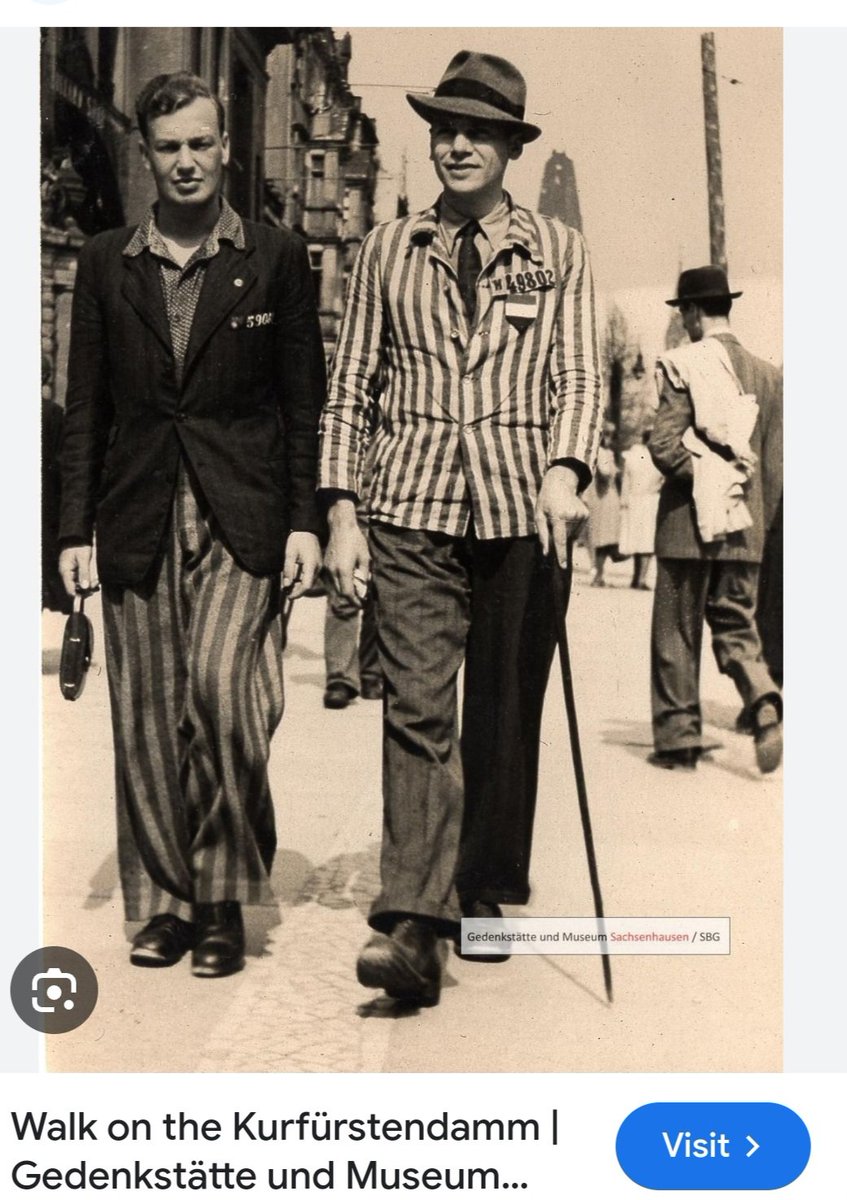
[
  {"x": 640, "y": 486},
  {"x": 604, "y": 510}
]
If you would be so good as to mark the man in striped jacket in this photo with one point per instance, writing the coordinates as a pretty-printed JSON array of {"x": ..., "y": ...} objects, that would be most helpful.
[{"x": 480, "y": 315}]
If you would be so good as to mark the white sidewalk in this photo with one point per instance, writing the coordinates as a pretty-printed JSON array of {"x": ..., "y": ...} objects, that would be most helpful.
[{"x": 668, "y": 843}]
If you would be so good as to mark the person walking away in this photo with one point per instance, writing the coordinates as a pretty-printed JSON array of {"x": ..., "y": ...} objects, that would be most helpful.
[{"x": 717, "y": 439}]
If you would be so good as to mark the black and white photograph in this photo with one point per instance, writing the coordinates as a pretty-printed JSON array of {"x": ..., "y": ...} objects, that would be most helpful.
[{"x": 412, "y": 532}]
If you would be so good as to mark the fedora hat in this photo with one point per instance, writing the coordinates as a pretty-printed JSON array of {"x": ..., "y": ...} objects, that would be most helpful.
[
  {"x": 482, "y": 86},
  {"x": 702, "y": 283}
]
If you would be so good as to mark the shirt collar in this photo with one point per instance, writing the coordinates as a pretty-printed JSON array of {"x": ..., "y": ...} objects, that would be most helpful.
[
  {"x": 228, "y": 227},
  {"x": 493, "y": 225},
  {"x": 520, "y": 234}
]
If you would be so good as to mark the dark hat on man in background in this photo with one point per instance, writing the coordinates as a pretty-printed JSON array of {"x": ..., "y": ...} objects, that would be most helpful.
[
  {"x": 702, "y": 283},
  {"x": 481, "y": 86}
]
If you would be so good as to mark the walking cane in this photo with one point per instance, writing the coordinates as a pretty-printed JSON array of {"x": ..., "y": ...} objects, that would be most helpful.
[{"x": 562, "y": 578}]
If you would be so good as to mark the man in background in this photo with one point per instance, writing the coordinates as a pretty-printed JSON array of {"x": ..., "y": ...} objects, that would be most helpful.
[{"x": 704, "y": 573}]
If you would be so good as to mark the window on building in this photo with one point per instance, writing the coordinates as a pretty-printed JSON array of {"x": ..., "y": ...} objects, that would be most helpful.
[
  {"x": 216, "y": 69},
  {"x": 197, "y": 52},
  {"x": 316, "y": 262},
  {"x": 74, "y": 56},
  {"x": 242, "y": 193},
  {"x": 317, "y": 172},
  {"x": 107, "y": 47}
]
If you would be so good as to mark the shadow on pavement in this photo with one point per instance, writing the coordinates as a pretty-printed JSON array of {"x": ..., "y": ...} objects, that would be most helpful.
[
  {"x": 636, "y": 737},
  {"x": 346, "y": 881},
  {"x": 298, "y": 650},
  {"x": 291, "y": 871},
  {"x": 722, "y": 716},
  {"x": 51, "y": 656},
  {"x": 304, "y": 677},
  {"x": 384, "y": 1008},
  {"x": 103, "y": 884},
  {"x": 588, "y": 991}
]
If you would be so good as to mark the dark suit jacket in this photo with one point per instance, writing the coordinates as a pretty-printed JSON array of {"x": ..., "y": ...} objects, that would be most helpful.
[
  {"x": 245, "y": 414},
  {"x": 676, "y": 527}
]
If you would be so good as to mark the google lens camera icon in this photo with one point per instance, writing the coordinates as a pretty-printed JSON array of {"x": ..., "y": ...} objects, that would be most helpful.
[
  {"x": 52, "y": 986},
  {"x": 54, "y": 989}
]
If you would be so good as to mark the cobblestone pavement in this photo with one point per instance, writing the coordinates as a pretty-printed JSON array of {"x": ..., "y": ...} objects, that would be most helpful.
[{"x": 707, "y": 843}]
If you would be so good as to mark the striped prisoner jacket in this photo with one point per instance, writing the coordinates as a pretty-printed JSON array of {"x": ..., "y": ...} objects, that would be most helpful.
[{"x": 469, "y": 417}]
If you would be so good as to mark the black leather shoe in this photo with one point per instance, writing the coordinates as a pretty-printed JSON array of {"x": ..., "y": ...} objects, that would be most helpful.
[
  {"x": 372, "y": 689},
  {"x": 404, "y": 963},
  {"x": 767, "y": 733},
  {"x": 744, "y": 722},
  {"x": 479, "y": 909},
  {"x": 338, "y": 694},
  {"x": 162, "y": 942},
  {"x": 685, "y": 759},
  {"x": 219, "y": 949}
]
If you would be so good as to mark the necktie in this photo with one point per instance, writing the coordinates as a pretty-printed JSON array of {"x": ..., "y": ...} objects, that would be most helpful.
[{"x": 470, "y": 265}]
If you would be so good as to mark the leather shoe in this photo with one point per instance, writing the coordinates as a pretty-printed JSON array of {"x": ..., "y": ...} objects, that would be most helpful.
[
  {"x": 162, "y": 942},
  {"x": 744, "y": 722},
  {"x": 219, "y": 949},
  {"x": 479, "y": 909},
  {"x": 372, "y": 689},
  {"x": 686, "y": 758},
  {"x": 338, "y": 694},
  {"x": 767, "y": 734},
  {"x": 404, "y": 963}
]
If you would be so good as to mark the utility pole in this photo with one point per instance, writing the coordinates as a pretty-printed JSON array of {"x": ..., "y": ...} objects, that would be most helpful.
[{"x": 714, "y": 170}]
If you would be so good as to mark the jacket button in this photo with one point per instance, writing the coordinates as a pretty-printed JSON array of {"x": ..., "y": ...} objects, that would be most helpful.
[
  {"x": 238, "y": 282},
  {"x": 180, "y": 416}
]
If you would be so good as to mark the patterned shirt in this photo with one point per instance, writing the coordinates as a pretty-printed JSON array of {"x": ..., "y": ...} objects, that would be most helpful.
[
  {"x": 469, "y": 418},
  {"x": 181, "y": 286}
]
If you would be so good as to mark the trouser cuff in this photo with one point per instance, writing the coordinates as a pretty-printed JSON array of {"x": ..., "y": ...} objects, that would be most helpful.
[{"x": 385, "y": 920}]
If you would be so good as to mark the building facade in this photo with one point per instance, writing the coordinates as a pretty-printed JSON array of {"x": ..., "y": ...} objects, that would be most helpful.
[{"x": 321, "y": 160}]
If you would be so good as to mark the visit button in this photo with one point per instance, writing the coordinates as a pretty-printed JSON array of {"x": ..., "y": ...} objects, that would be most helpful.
[{"x": 695, "y": 1147}]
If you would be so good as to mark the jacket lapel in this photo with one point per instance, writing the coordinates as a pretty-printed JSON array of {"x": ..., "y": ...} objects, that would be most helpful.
[
  {"x": 229, "y": 277},
  {"x": 142, "y": 289}
]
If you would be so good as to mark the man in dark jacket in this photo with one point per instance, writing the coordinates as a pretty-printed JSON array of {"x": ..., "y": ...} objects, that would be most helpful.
[
  {"x": 702, "y": 573},
  {"x": 196, "y": 378}
]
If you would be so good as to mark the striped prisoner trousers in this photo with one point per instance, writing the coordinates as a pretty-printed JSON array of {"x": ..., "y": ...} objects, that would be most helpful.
[{"x": 194, "y": 661}]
